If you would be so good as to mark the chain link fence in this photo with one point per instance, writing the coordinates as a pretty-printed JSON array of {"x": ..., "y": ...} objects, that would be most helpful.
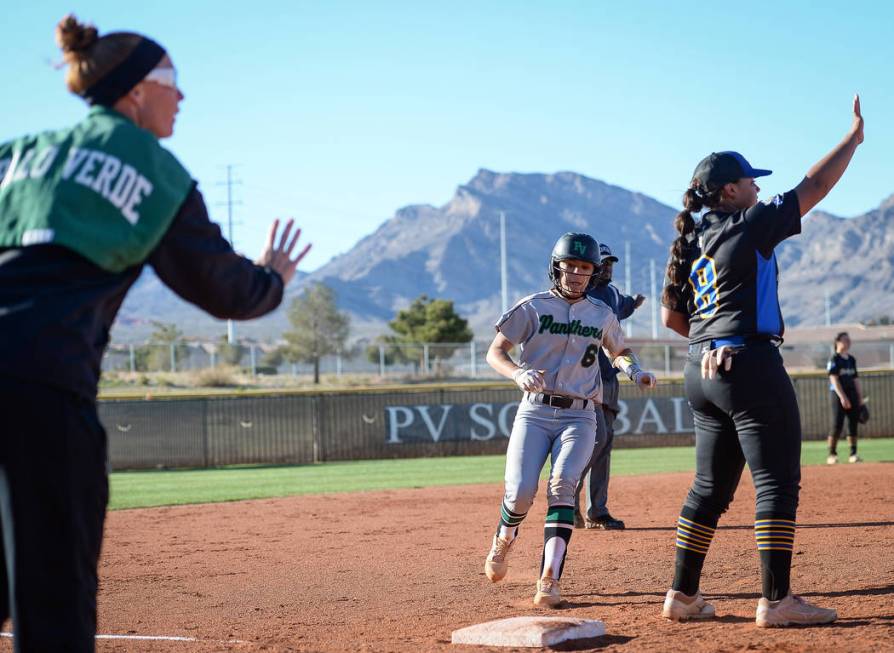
[{"x": 446, "y": 361}]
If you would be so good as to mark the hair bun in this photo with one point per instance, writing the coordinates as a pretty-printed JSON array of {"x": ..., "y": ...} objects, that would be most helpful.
[{"x": 74, "y": 37}]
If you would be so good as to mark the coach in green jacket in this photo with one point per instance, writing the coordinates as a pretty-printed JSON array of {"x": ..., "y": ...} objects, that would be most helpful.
[{"x": 82, "y": 210}]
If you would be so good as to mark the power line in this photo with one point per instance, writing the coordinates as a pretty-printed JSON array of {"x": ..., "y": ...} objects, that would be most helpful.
[
  {"x": 504, "y": 275},
  {"x": 230, "y": 182},
  {"x": 230, "y": 203}
]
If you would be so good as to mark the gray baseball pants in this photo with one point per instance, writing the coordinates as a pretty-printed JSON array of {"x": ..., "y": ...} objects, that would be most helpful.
[{"x": 565, "y": 436}]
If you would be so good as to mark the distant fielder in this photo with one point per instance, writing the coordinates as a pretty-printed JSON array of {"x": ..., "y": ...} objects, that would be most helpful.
[
  {"x": 559, "y": 333},
  {"x": 847, "y": 397}
]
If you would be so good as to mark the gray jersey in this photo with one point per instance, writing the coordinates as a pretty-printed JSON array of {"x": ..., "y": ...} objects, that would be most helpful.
[{"x": 564, "y": 340}]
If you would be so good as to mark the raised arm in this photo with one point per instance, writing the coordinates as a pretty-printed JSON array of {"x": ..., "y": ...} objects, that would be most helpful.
[
  {"x": 823, "y": 176},
  {"x": 197, "y": 263}
]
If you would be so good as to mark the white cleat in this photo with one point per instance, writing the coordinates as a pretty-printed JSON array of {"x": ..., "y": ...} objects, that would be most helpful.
[
  {"x": 548, "y": 594},
  {"x": 497, "y": 563},
  {"x": 855, "y": 459},
  {"x": 832, "y": 459},
  {"x": 791, "y": 611},
  {"x": 682, "y": 607}
]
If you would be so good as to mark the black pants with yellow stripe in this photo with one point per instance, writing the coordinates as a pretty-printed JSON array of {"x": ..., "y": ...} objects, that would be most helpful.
[
  {"x": 53, "y": 495},
  {"x": 748, "y": 414}
]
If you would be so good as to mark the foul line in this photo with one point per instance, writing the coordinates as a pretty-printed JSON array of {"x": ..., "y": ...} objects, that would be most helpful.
[{"x": 154, "y": 638}]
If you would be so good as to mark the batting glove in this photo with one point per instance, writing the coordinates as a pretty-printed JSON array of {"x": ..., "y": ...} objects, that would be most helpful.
[{"x": 529, "y": 380}]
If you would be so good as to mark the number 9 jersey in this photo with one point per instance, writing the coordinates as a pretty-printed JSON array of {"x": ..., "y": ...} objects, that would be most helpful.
[
  {"x": 563, "y": 339},
  {"x": 732, "y": 286}
]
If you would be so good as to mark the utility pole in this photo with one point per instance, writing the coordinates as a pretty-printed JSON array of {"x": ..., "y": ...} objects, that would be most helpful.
[
  {"x": 828, "y": 309},
  {"x": 504, "y": 274},
  {"x": 653, "y": 303},
  {"x": 229, "y": 183},
  {"x": 627, "y": 284}
]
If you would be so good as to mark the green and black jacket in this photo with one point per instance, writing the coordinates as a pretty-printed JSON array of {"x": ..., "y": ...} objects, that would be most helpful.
[{"x": 82, "y": 210}]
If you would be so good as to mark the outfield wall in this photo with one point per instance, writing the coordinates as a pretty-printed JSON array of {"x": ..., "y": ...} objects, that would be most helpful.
[{"x": 308, "y": 427}]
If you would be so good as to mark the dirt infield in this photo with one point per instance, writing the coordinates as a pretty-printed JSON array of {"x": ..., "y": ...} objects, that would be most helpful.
[{"x": 400, "y": 570}]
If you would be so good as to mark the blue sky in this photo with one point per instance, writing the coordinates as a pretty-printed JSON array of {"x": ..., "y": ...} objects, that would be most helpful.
[{"x": 339, "y": 113}]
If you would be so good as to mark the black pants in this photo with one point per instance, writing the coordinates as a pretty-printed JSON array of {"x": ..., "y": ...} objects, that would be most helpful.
[
  {"x": 839, "y": 414},
  {"x": 749, "y": 414},
  {"x": 596, "y": 475},
  {"x": 53, "y": 496}
]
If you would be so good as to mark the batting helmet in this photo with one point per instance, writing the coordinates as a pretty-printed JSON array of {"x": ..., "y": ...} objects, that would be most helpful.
[{"x": 580, "y": 247}]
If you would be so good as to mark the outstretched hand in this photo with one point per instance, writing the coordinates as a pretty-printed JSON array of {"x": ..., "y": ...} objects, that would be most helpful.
[
  {"x": 826, "y": 172},
  {"x": 277, "y": 254},
  {"x": 857, "y": 126}
]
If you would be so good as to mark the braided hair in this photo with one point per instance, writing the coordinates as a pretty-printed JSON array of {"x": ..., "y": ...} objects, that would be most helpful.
[{"x": 684, "y": 249}]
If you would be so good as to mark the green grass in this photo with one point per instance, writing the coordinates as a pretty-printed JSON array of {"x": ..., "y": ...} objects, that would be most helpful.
[{"x": 142, "y": 489}]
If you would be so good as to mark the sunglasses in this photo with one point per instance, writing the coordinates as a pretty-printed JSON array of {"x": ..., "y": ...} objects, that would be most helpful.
[{"x": 164, "y": 76}]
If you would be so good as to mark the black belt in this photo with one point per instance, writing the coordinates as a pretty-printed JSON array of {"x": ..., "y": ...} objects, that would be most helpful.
[
  {"x": 733, "y": 341},
  {"x": 559, "y": 401}
]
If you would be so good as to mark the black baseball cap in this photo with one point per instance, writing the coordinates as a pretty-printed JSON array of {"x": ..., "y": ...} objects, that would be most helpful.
[
  {"x": 720, "y": 168},
  {"x": 605, "y": 253}
]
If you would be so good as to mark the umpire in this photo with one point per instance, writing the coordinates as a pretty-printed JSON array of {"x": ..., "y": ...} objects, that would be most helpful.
[
  {"x": 596, "y": 474},
  {"x": 82, "y": 210}
]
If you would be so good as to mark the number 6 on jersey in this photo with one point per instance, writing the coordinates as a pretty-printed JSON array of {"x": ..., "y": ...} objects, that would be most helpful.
[{"x": 590, "y": 356}]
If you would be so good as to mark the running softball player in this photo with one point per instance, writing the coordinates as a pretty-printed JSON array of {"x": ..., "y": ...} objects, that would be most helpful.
[
  {"x": 559, "y": 333},
  {"x": 722, "y": 295}
]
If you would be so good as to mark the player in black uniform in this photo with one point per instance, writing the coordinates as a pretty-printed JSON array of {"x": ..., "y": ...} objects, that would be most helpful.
[
  {"x": 81, "y": 211},
  {"x": 847, "y": 397},
  {"x": 721, "y": 294}
]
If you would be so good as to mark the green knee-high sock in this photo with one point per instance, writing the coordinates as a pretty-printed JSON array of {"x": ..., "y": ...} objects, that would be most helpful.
[
  {"x": 556, "y": 534},
  {"x": 507, "y": 528}
]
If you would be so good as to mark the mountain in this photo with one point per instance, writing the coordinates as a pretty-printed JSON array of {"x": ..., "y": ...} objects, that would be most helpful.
[
  {"x": 150, "y": 300},
  {"x": 850, "y": 259},
  {"x": 452, "y": 252}
]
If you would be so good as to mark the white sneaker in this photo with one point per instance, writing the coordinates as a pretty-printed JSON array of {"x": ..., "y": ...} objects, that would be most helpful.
[
  {"x": 791, "y": 611},
  {"x": 832, "y": 459},
  {"x": 497, "y": 563},
  {"x": 855, "y": 459},
  {"x": 682, "y": 607},
  {"x": 548, "y": 594}
]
